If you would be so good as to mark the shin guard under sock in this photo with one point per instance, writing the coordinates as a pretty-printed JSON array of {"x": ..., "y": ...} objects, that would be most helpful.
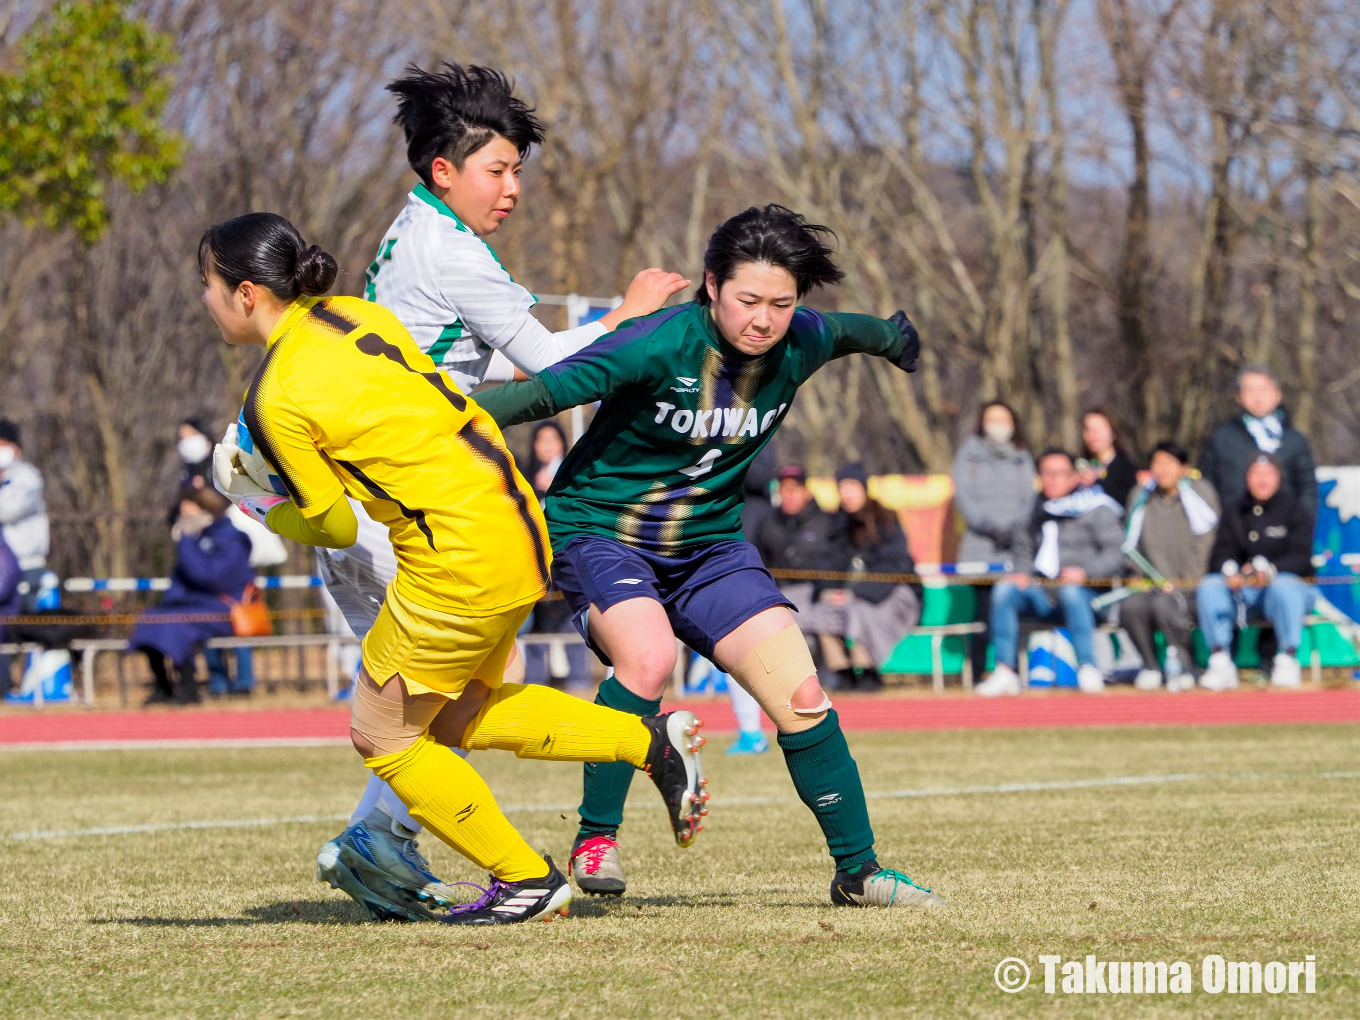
[
  {"x": 827, "y": 781},
  {"x": 538, "y": 722},
  {"x": 606, "y": 783},
  {"x": 445, "y": 794}
]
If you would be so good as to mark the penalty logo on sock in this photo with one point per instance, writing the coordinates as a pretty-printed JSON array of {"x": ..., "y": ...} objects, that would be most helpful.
[
  {"x": 466, "y": 813},
  {"x": 828, "y": 800}
]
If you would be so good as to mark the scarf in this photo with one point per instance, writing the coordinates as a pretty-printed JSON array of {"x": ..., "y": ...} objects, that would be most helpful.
[
  {"x": 1267, "y": 431},
  {"x": 1077, "y": 503},
  {"x": 1198, "y": 512}
]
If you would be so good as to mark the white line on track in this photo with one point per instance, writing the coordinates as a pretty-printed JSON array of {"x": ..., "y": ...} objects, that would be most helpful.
[
  {"x": 936, "y": 791},
  {"x": 178, "y": 745}
]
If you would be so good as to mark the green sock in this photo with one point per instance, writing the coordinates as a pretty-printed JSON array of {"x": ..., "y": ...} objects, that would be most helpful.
[
  {"x": 606, "y": 782},
  {"x": 827, "y": 781}
]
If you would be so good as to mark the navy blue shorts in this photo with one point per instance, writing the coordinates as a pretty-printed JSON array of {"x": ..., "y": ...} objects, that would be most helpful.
[{"x": 707, "y": 592}]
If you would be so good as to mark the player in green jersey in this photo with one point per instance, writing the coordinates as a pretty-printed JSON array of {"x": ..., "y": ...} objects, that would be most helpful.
[{"x": 645, "y": 519}]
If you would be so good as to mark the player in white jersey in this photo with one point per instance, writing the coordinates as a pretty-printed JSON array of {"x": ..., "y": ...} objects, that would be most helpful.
[{"x": 467, "y": 135}]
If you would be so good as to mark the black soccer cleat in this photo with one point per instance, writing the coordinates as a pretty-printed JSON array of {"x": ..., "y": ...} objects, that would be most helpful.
[
  {"x": 873, "y": 885},
  {"x": 673, "y": 763},
  {"x": 534, "y": 899}
]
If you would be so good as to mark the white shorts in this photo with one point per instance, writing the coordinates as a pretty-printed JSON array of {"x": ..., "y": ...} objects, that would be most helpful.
[{"x": 357, "y": 577}]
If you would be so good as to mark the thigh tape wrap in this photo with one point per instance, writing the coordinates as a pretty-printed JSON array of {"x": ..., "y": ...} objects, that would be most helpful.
[
  {"x": 772, "y": 671},
  {"x": 390, "y": 726}
]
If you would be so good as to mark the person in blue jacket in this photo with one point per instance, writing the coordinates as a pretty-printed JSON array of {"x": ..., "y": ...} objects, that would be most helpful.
[
  {"x": 11, "y": 604},
  {"x": 212, "y": 566}
]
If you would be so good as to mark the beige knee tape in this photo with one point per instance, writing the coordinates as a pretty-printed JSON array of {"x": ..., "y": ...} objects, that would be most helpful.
[
  {"x": 390, "y": 726},
  {"x": 772, "y": 671}
]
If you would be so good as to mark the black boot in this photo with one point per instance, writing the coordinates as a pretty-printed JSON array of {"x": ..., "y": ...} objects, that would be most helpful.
[
  {"x": 187, "y": 694},
  {"x": 162, "y": 692}
]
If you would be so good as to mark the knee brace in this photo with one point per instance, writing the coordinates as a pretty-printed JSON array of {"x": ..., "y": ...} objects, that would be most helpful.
[
  {"x": 390, "y": 726},
  {"x": 772, "y": 671}
]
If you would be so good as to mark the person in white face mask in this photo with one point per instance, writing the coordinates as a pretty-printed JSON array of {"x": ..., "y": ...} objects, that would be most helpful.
[
  {"x": 195, "y": 452},
  {"x": 23, "y": 513}
]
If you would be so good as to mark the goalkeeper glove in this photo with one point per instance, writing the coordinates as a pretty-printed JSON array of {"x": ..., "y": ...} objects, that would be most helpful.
[
  {"x": 911, "y": 342},
  {"x": 258, "y": 507}
]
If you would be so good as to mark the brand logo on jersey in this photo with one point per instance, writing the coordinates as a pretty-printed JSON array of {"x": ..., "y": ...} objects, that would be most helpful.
[
  {"x": 687, "y": 384},
  {"x": 629, "y": 580}
]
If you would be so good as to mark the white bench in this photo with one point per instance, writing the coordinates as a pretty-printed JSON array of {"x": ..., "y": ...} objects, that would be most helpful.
[{"x": 87, "y": 651}]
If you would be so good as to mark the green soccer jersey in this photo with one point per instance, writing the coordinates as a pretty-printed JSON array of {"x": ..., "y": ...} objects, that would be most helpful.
[{"x": 683, "y": 414}]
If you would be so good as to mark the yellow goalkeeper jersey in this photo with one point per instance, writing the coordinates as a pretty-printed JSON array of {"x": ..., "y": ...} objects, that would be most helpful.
[{"x": 345, "y": 403}]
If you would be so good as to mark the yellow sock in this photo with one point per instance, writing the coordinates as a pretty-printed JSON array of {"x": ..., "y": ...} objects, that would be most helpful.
[
  {"x": 445, "y": 794},
  {"x": 539, "y": 722}
]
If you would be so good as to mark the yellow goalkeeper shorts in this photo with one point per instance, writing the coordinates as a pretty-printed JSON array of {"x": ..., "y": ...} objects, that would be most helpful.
[{"x": 436, "y": 652}]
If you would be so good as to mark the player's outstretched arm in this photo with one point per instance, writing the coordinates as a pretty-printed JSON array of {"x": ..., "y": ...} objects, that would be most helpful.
[
  {"x": 517, "y": 402},
  {"x": 894, "y": 338},
  {"x": 335, "y": 528}
]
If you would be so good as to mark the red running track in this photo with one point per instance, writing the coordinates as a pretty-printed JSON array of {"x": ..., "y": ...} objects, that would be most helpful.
[{"x": 916, "y": 713}]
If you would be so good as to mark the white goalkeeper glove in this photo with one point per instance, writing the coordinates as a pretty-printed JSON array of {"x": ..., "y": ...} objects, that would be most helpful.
[{"x": 232, "y": 479}]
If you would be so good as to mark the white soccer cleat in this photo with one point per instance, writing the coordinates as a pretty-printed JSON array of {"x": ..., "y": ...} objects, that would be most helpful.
[
  {"x": 1090, "y": 680},
  {"x": 1003, "y": 682},
  {"x": 1148, "y": 680},
  {"x": 1220, "y": 674},
  {"x": 1287, "y": 672}
]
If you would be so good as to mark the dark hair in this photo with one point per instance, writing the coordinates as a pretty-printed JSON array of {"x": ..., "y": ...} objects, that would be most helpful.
[
  {"x": 267, "y": 250},
  {"x": 456, "y": 112},
  {"x": 775, "y": 236},
  {"x": 1018, "y": 437},
  {"x": 536, "y": 465},
  {"x": 1056, "y": 451},
  {"x": 1175, "y": 449},
  {"x": 197, "y": 425},
  {"x": 207, "y": 498},
  {"x": 9, "y": 432},
  {"x": 1114, "y": 428},
  {"x": 870, "y": 524}
]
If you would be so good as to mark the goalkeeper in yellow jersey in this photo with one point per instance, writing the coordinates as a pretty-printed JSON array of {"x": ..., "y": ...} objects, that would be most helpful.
[{"x": 345, "y": 404}]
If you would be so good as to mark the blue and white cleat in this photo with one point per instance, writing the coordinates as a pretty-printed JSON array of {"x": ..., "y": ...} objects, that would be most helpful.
[
  {"x": 378, "y": 863},
  {"x": 750, "y": 742}
]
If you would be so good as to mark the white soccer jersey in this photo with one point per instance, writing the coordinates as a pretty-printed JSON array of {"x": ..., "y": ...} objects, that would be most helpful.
[{"x": 448, "y": 288}]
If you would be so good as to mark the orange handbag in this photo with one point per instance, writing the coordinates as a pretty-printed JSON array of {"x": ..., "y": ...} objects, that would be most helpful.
[{"x": 250, "y": 616}]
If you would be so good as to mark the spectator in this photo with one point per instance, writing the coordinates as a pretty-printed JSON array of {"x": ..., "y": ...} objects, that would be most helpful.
[
  {"x": 796, "y": 535},
  {"x": 1071, "y": 535},
  {"x": 1264, "y": 545},
  {"x": 872, "y": 616},
  {"x": 11, "y": 604},
  {"x": 756, "y": 507},
  {"x": 212, "y": 566},
  {"x": 545, "y": 663},
  {"x": 23, "y": 514},
  {"x": 994, "y": 492},
  {"x": 1171, "y": 525},
  {"x": 1262, "y": 427},
  {"x": 1106, "y": 464},
  {"x": 195, "y": 448}
]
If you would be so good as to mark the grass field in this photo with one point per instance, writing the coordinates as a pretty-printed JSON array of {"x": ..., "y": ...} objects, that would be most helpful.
[{"x": 229, "y": 922}]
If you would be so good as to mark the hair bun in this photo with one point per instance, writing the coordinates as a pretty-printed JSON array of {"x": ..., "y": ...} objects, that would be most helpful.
[{"x": 316, "y": 271}]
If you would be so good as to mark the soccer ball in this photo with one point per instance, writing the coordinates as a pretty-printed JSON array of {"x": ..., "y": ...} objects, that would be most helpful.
[{"x": 252, "y": 461}]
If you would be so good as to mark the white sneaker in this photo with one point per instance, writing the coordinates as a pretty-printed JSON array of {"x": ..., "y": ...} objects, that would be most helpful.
[
  {"x": 1220, "y": 674},
  {"x": 1181, "y": 682},
  {"x": 1287, "y": 671},
  {"x": 1148, "y": 680},
  {"x": 1003, "y": 682},
  {"x": 1090, "y": 680}
]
